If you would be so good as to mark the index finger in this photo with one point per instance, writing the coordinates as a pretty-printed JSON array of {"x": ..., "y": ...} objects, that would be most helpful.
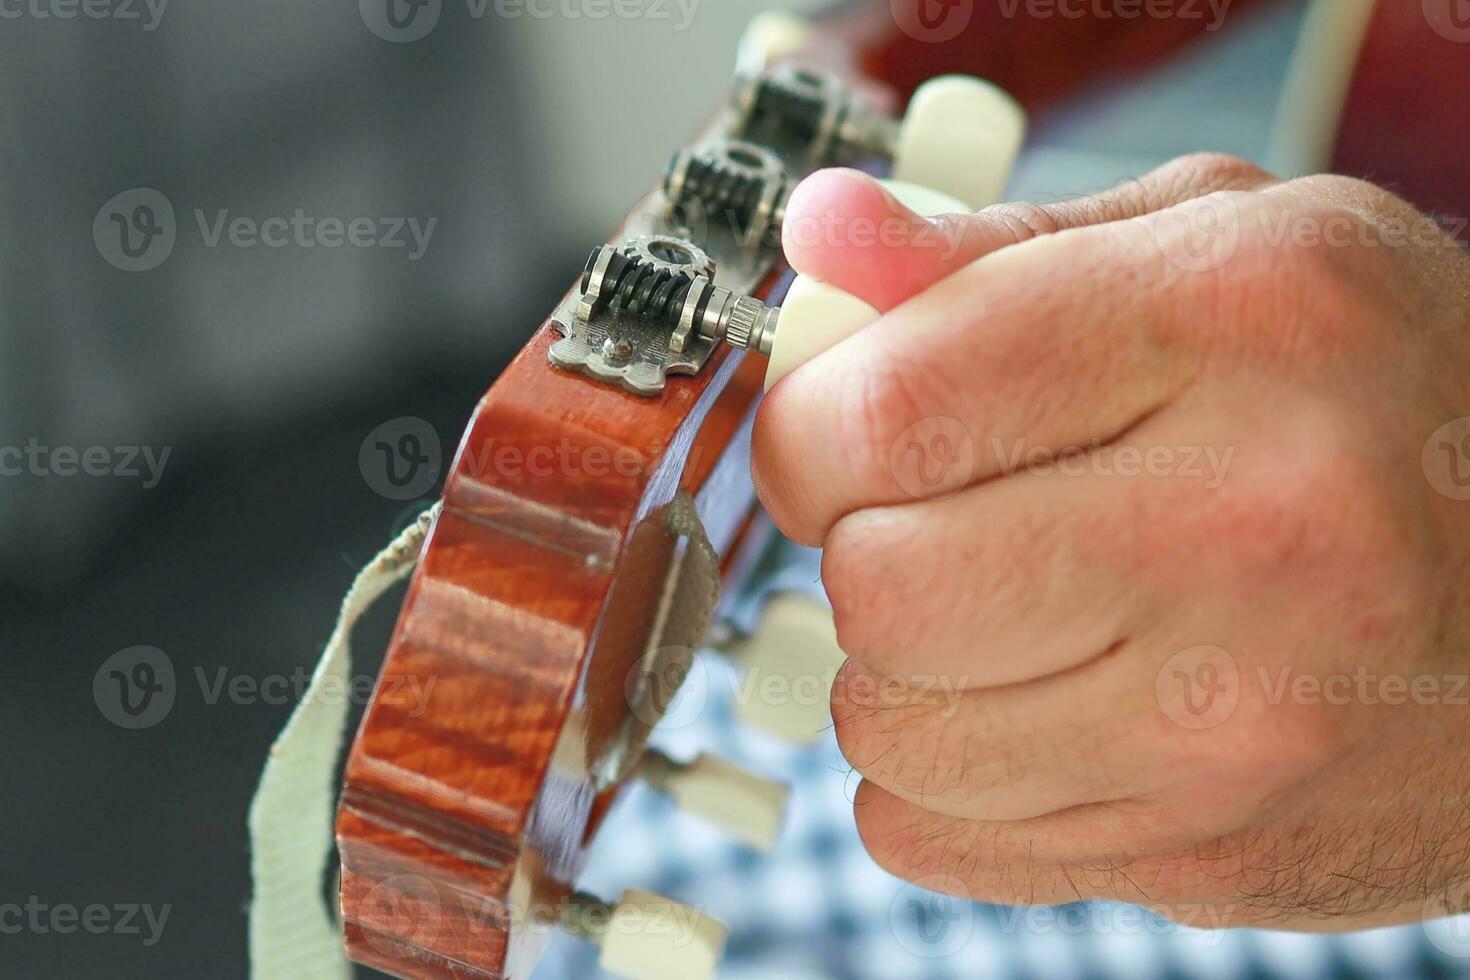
[
  {"x": 1064, "y": 341},
  {"x": 846, "y": 229}
]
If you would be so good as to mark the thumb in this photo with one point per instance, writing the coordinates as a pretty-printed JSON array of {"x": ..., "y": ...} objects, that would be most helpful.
[{"x": 844, "y": 228}]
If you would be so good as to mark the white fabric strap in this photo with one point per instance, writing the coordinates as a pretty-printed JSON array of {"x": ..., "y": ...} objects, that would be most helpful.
[{"x": 294, "y": 935}]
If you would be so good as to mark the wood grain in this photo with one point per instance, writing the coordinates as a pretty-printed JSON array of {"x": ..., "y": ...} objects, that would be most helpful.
[
  {"x": 455, "y": 831},
  {"x": 467, "y": 809}
]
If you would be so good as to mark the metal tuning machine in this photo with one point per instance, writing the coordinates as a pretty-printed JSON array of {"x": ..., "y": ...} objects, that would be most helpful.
[
  {"x": 655, "y": 305},
  {"x": 659, "y": 305},
  {"x": 651, "y": 307}
]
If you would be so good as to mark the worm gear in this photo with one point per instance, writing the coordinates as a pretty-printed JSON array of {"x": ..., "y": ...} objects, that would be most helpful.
[
  {"x": 811, "y": 112},
  {"x": 644, "y": 277},
  {"x": 742, "y": 181},
  {"x": 650, "y": 307}
]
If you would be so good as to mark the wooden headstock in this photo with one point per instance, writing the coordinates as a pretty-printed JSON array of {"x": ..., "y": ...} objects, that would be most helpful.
[
  {"x": 558, "y": 599},
  {"x": 534, "y": 603}
]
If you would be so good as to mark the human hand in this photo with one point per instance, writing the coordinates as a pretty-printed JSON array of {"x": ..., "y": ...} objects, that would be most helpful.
[{"x": 1159, "y": 484}]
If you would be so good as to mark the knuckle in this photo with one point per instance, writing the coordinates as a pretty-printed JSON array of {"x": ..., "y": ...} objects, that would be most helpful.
[
  {"x": 1213, "y": 171},
  {"x": 1296, "y": 519},
  {"x": 1316, "y": 233},
  {"x": 902, "y": 737},
  {"x": 889, "y": 837},
  {"x": 855, "y": 550},
  {"x": 824, "y": 445},
  {"x": 870, "y": 708},
  {"x": 868, "y": 730},
  {"x": 1296, "y": 258},
  {"x": 1356, "y": 189},
  {"x": 846, "y": 579},
  {"x": 1349, "y": 193},
  {"x": 1327, "y": 482},
  {"x": 1025, "y": 221},
  {"x": 1314, "y": 504},
  {"x": 1271, "y": 749},
  {"x": 912, "y": 842},
  {"x": 1336, "y": 232}
]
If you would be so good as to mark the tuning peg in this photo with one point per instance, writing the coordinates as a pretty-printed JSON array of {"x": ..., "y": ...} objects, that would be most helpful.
[
  {"x": 960, "y": 136},
  {"x": 790, "y": 661},
  {"x": 953, "y": 154},
  {"x": 748, "y": 807},
  {"x": 816, "y": 316},
  {"x": 770, "y": 36},
  {"x": 648, "y": 937}
]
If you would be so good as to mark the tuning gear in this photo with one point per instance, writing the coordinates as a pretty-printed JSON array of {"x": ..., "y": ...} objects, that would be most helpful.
[
  {"x": 650, "y": 305},
  {"x": 733, "y": 179},
  {"x": 794, "y": 106},
  {"x": 953, "y": 155}
]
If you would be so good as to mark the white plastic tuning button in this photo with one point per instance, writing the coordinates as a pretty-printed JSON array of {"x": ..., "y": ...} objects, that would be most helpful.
[
  {"x": 961, "y": 137},
  {"x": 955, "y": 153},
  {"x": 770, "y": 37},
  {"x": 816, "y": 316},
  {"x": 648, "y": 937},
  {"x": 790, "y": 661},
  {"x": 748, "y": 807}
]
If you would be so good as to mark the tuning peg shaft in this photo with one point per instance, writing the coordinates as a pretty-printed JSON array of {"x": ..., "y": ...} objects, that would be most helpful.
[
  {"x": 647, "y": 937},
  {"x": 748, "y": 807},
  {"x": 790, "y": 661}
]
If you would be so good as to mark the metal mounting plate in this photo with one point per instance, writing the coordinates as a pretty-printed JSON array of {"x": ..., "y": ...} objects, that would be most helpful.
[{"x": 627, "y": 351}]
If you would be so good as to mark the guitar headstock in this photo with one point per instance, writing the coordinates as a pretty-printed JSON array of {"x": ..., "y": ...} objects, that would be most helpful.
[{"x": 599, "y": 507}]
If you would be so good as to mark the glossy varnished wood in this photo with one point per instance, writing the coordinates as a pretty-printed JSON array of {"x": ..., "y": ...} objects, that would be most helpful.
[
  {"x": 467, "y": 807},
  {"x": 455, "y": 834}
]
